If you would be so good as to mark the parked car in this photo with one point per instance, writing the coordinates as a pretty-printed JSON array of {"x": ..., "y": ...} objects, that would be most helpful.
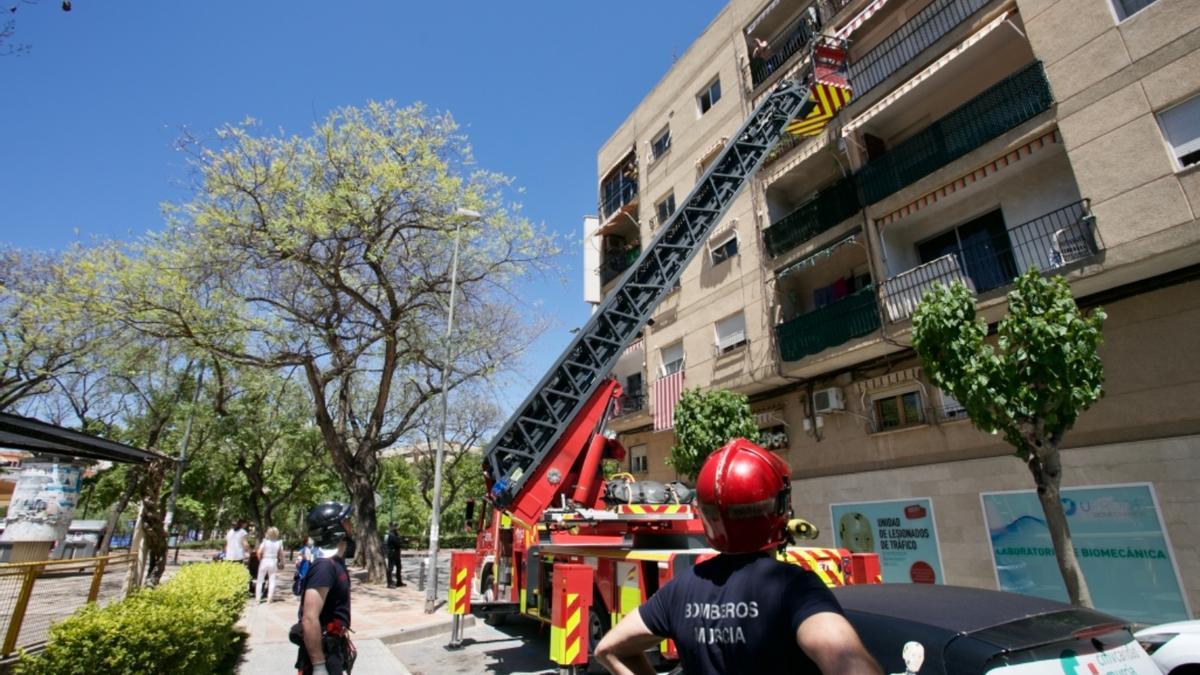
[
  {"x": 1175, "y": 647},
  {"x": 928, "y": 629}
]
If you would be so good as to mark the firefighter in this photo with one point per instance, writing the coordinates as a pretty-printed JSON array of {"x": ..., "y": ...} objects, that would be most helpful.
[
  {"x": 743, "y": 609},
  {"x": 322, "y": 633}
]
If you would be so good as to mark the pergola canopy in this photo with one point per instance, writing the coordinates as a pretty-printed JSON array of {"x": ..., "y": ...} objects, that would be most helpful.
[{"x": 25, "y": 433}]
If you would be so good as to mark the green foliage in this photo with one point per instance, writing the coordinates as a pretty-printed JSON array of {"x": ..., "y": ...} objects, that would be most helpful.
[
  {"x": 187, "y": 623},
  {"x": 704, "y": 421},
  {"x": 1043, "y": 372}
]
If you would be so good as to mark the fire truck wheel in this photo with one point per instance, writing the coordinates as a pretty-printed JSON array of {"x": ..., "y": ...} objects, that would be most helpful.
[
  {"x": 598, "y": 624},
  {"x": 487, "y": 588}
]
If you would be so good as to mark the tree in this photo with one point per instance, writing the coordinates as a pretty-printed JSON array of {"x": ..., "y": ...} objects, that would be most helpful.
[
  {"x": 330, "y": 254},
  {"x": 1044, "y": 371},
  {"x": 705, "y": 421}
]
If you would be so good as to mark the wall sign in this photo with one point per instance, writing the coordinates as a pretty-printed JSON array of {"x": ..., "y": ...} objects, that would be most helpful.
[
  {"x": 1119, "y": 541},
  {"x": 901, "y": 531}
]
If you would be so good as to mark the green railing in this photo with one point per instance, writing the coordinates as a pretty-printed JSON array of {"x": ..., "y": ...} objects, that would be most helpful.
[
  {"x": 851, "y": 317},
  {"x": 828, "y": 208},
  {"x": 1010, "y": 102}
]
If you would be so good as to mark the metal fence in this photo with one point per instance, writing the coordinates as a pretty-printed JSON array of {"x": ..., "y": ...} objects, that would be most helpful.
[
  {"x": 631, "y": 402},
  {"x": 1006, "y": 104},
  {"x": 1048, "y": 243},
  {"x": 784, "y": 46},
  {"x": 916, "y": 35},
  {"x": 35, "y": 594},
  {"x": 828, "y": 208}
]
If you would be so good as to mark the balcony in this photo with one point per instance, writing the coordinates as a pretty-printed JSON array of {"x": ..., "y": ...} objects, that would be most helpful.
[
  {"x": 1012, "y": 101},
  {"x": 780, "y": 49},
  {"x": 915, "y": 36},
  {"x": 1051, "y": 242},
  {"x": 617, "y": 262},
  {"x": 631, "y": 402},
  {"x": 828, "y": 208},
  {"x": 853, "y": 316}
]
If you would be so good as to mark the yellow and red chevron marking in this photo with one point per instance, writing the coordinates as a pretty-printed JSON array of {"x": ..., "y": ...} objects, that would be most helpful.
[
  {"x": 573, "y": 631},
  {"x": 829, "y": 99},
  {"x": 653, "y": 509},
  {"x": 459, "y": 593},
  {"x": 826, "y": 563}
]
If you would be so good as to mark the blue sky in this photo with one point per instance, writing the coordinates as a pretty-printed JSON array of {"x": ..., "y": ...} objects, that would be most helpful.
[{"x": 89, "y": 116}]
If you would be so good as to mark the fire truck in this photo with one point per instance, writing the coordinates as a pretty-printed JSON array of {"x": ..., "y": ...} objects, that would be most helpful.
[{"x": 552, "y": 543}]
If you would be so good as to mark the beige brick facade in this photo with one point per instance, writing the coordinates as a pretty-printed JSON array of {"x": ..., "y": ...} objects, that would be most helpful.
[{"x": 1058, "y": 160}]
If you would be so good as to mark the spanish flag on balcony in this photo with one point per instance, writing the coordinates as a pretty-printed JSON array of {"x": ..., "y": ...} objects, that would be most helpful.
[{"x": 830, "y": 98}]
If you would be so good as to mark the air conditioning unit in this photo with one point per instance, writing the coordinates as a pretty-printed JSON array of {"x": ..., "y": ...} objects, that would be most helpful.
[{"x": 828, "y": 400}]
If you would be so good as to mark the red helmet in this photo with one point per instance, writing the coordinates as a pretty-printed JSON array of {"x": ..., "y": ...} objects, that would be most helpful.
[{"x": 744, "y": 494}]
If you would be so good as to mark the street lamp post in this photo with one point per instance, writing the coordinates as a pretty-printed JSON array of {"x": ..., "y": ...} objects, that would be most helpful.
[{"x": 431, "y": 588}]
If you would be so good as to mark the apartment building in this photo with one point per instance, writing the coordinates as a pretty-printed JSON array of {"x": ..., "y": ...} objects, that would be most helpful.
[{"x": 984, "y": 138}]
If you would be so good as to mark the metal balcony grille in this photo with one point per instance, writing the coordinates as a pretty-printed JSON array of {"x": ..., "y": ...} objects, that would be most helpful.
[
  {"x": 828, "y": 208},
  {"x": 787, "y": 44},
  {"x": 914, "y": 37},
  {"x": 616, "y": 263},
  {"x": 1003, "y": 106},
  {"x": 1048, "y": 243},
  {"x": 853, "y": 316},
  {"x": 631, "y": 402}
]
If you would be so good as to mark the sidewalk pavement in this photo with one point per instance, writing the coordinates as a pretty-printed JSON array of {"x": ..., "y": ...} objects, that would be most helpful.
[{"x": 380, "y": 616}]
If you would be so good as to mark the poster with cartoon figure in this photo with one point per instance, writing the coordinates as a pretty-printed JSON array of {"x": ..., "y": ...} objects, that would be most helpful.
[
  {"x": 43, "y": 501},
  {"x": 1119, "y": 540},
  {"x": 901, "y": 531}
]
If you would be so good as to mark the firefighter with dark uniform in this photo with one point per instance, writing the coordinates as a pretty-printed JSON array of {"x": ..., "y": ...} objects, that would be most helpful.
[
  {"x": 742, "y": 611},
  {"x": 323, "y": 630}
]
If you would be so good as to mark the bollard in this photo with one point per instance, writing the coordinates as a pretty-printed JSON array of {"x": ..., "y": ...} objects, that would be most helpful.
[
  {"x": 421, "y": 577},
  {"x": 572, "y": 601},
  {"x": 462, "y": 567}
]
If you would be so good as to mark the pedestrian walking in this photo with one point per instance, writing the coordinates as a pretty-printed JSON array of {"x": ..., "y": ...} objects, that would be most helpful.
[
  {"x": 235, "y": 542},
  {"x": 394, "y": 544},
  {"x": 305, "y": 557},
  {"x": 323, "y": 630},
  {"x": 270, "y": 559},
  {"x": 743, "y": 609}
]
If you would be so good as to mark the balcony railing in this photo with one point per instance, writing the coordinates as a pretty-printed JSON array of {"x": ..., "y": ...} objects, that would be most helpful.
[
  {"x": 615, "y": 263},
  {"x": 1050, "y": 242},
  {"x": 1010, "y": 102},
  {"x": 617, "y": 194},
  {"x": 783, "y": 47},
  {"x": 631, "y": 402},
  {"x": 853, "y": 316},
  {"x": 914, "y": 37},
  {"x": 828, "y": 208}
]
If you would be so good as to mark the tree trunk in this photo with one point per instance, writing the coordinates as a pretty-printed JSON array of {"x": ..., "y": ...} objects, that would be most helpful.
[
  {"x": 114, "y": 513},
  {"x": 1047, "y": 473},
  {"x": 366, "y": 528}
]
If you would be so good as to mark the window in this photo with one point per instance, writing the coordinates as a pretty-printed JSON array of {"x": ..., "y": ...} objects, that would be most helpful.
[
  {"x": 1127, "y": 8},
  {"x": 665, "y": 208},
  {"x": 661, "y": 144},
  {"x": 638, "y": 461},
  {"x": 1181, "y": 127},
  {"x": 898, "y": 410},
  {"x": 982, "y": 248},
  {"x": 724, "y": 250},
  {"x": 672, "y": 358},
  {"x": 951, "y": 408},
  {"x": 731, "y": 333},
  {"x": 709, "y": 97}
]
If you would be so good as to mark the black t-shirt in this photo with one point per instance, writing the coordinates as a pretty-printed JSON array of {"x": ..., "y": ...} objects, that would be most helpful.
[
  {"x": 739, "y": 614},
  {"x": 330, "y": 573},
  {"x": 394, "y": 543}
]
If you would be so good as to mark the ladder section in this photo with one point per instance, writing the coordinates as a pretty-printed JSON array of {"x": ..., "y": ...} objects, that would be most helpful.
[{"x": 538, "y": 423}]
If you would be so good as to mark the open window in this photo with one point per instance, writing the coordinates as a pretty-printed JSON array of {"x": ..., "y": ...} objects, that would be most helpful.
[
  {"x": 661, "y": 144},
  {"x": 1181, "y": 127},
  {"x": 724, "y": 249},
  {"x": 709, "y": 96},
  {"x": 672, "y": 358}
]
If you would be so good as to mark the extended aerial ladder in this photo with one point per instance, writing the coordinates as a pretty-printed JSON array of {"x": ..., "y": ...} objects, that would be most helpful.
[{"x": 523, "y": 474}]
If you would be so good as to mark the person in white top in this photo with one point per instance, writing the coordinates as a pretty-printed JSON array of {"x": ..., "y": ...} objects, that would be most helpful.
[
  {"x": 235, "y": 542},
  {"x": 270, "y": 559}
]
